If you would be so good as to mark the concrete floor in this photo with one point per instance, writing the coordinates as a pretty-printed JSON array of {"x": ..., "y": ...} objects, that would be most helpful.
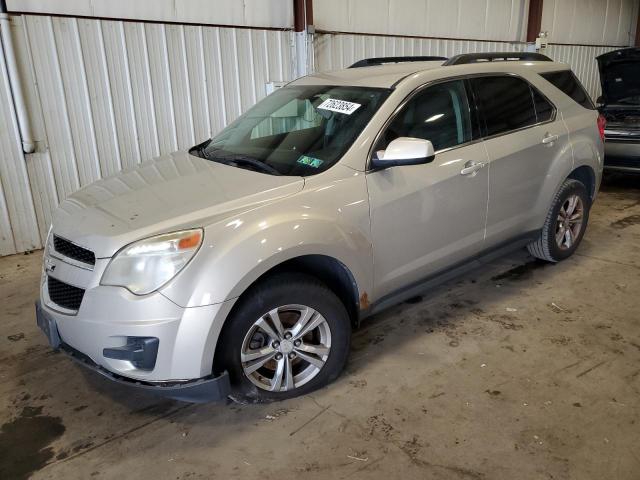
[{"x": 517, "y": 370}]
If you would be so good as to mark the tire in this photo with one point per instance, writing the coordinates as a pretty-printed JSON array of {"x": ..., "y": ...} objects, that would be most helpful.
[
  {"x": 549, "y": 246},
  {"x": 252, "y": 331}
]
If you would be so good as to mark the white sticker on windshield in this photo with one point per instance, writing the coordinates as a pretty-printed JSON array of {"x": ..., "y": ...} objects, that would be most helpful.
[{"x": 340, "y": 106}]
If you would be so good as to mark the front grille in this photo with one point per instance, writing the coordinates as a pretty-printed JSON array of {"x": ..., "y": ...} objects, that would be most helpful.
[
  {"x": 71, "y": 250},
  {"x": 65, "y": 295}
]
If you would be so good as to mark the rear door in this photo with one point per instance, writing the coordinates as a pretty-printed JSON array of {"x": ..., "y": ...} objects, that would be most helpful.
[{"x": 523, "y": 135}]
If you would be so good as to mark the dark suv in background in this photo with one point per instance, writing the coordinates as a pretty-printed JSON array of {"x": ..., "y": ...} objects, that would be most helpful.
[{"x": 620, "y": 105}]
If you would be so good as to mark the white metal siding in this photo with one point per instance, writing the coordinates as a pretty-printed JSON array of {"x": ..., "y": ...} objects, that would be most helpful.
[
  {"x": 590, "y": 22},
  {"x": 18, "y": 230},
  {"x": 336, "y": 51},
  {"x": 255, "y": 13},
  {"x": 476, "y": 19}
]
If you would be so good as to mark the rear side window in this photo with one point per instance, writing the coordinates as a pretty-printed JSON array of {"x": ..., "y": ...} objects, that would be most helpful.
[
  {"x": 505, "y": 102},
  {"x": 544, "y": 109},
  {"x": 569, "y": 84}
]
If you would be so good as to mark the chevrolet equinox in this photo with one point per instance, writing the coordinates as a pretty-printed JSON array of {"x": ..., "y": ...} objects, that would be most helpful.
[{"x": 239, "y": 268}]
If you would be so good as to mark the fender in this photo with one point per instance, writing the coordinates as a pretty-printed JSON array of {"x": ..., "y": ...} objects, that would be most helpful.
[
  {"x": 584, "y": 141},
  {"x": 331, "y": 220}
]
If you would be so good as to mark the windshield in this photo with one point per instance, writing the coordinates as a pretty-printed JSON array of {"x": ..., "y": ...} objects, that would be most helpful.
[{"x": 297, "y": 130}]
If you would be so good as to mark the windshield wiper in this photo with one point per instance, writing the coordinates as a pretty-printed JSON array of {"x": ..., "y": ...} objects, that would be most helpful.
[
  {"x": 252, "y": 162},
  {"x": 235, "y": 159},
  {"x": 201, "y": 150}
]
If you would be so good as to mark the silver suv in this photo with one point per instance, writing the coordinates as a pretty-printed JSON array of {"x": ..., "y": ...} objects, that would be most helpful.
[{"x": 241, "y": 266}]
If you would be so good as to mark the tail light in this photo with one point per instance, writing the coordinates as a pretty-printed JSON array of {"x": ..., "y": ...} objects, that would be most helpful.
[{"x": 602, "y": 124}]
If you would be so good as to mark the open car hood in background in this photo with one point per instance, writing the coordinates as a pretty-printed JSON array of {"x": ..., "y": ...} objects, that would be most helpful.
[{"x": 619, "y": 74}]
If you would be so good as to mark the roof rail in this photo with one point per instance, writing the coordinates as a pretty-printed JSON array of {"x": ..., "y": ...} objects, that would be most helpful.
[
  {"x": 372, "y": 62},
  {"x": 466, "y": 58}
]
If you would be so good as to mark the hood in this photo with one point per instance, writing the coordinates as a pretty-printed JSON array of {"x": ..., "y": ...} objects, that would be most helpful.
[
  {"x": 620, "y": 74},
  {"x": 165, "y": 194}
]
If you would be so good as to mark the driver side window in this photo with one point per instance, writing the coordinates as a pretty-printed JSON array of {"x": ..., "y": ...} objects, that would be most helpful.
[{"x": 440, "y": 113}]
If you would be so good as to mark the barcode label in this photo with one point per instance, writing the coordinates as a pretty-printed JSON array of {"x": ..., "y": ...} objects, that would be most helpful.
[{"x": 340, "y": 106}]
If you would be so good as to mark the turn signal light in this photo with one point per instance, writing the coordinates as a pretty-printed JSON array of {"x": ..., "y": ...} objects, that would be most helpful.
[{"x": 191, "y": 241}]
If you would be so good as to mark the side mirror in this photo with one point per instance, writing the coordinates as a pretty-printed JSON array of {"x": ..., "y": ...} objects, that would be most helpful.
[{"x": 404, "y": 151}]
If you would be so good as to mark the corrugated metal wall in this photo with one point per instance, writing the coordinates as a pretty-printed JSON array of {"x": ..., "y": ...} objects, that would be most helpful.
[
  {"x": 18, "y": 228},
  {"x": 590, "y": 22},
  {"x": 335, "y": 51},
  {"x": 478, "y": 19},
  {"x": 105, "y": 95},
  {"x": 586, "y": 22},
  {"x": 253, "y": 13}
]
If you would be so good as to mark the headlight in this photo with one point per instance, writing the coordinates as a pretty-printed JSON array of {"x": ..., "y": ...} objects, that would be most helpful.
[{"x": 146, "y": 265}]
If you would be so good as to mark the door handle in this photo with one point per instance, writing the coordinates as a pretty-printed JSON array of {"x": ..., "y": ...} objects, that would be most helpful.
[
  {"x": 549, "y": 139},
  {"x": 472, "y": 167}
]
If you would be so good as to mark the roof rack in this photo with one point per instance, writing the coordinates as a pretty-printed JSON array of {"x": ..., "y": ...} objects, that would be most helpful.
[
  {"x": 466, "y": 58},
  {"x": 372, "y": 62}
]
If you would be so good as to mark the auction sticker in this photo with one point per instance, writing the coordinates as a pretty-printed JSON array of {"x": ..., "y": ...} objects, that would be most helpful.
[{"x": 340, "y": 106}]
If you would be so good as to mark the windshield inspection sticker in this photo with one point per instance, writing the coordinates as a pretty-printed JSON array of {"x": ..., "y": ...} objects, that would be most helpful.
[
  {"x": 310, "y": 161},
  {"x": 340, "y": 106}
]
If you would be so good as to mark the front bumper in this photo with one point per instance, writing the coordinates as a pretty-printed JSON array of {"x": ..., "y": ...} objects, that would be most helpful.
[{"x": 199, "y": 390}]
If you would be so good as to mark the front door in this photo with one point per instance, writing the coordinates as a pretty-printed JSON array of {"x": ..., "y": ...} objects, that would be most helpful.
[{"x": 425, "y": 218}]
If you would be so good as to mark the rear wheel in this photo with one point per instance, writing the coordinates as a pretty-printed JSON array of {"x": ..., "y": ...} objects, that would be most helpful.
[
  {"x": 565, "y": 224},
  {"x": 288, "y": 336}
]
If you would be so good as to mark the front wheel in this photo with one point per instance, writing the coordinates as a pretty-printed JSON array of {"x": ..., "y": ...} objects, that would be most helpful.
[
  {"x": 565, "y": 224},
  {"x": 288, "y": 336}
]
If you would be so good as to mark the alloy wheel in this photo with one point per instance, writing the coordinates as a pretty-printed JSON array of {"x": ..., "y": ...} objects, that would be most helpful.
[
  {"x": 569, "y": 222},
  {"x": 286, "y": 348}
]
